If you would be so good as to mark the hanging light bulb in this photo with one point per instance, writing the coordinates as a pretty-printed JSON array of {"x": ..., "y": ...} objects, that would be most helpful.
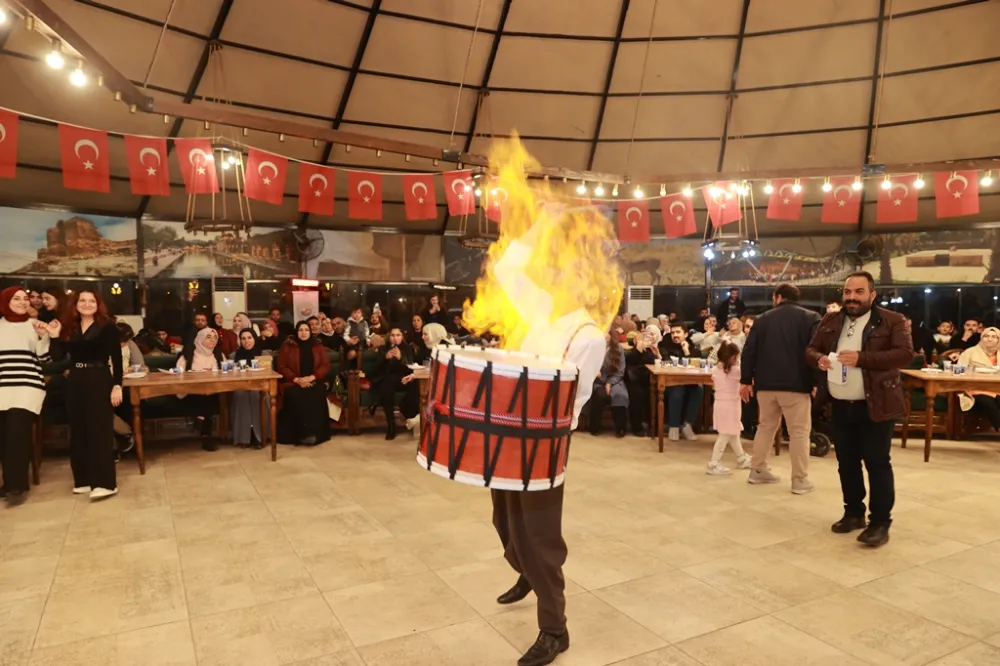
[
  {"x": 987, "y": 180},
  {"x": 78, "y": 78},
  {"x": 715, "y": 191},
  {"x": 919, "y": 182},
  {"x": 687, "y": 192},
  {"x": 637, "y": 193},
  {"x": 796, "y": 187},
  {"x": 769, "y": 188},
  {"x": 663, "y": 190},
  {"x": 478, "y": 192},
  {"x": 614, "y": 190},
  {"x": 732, "y": 187},
  {"x": 493, "y": 192},
  {"x": 468, "y": 188},
  {"x": 226, "y": 164},
  {"x": 55, "y": 58},
  {"x": 599, "y": 190},
  {"x": 581, "y": 189},
  {"x": 886, "y": 183},
  {"x": 743, "y": 189},
  {"x": 827, "y": 186},
  {"x": 857, "y": 184},
  {"x": 231, "y": 159}
]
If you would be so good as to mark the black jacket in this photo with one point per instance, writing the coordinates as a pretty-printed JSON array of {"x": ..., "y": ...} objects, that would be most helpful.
[
  {"x": 670, "y": 348},
  {"x": 774, "y": 356},
  {"x": 722, "y": 311}
]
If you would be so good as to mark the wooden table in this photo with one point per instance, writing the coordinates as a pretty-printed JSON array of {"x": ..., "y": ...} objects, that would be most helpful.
[
  {"x": 423, "y": 376},
  {"x": 204, "y": 383},
  {"x": 935, "y": 383},
  {"x": 662, "y": 378}
]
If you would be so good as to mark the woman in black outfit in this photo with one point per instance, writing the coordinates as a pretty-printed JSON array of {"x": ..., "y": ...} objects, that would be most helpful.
[
  {"x": 415, "y": 338},
  {"x": 303, "y": 416},
  {"x": 91, "y": 340},
  {"x": 646, "y": 352},
  {"x": 436, "y": 311},
  {"x": 391, "y": 375},
  {"x": 53, "y": 304}
]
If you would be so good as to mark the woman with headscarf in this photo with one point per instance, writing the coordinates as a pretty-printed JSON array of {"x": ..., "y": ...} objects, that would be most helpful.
[
  {"x": 434, "y": 335},
  {"x": 203, "y": 355},
  {"x": 393, "y": 374},
  {"x": 270, "y": 338},
  {"x": 24, "y": 343},
  {"x": 304, "y": 417},
  {"x": 646, "y": 352},
  {"x": 609, "y": 386},
  {"x": 983, "y": 355},
  {"x": 248, "y": 430}
]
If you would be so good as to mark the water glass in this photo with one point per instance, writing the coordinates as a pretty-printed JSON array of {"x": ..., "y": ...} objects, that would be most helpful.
[
  {"x": 243, "y": 364},
  {"x": 946, "y": 365},
  {"x": 254, "y": 364},
  {"x": 136, "y": 368},
  {"x": 685, "y": 361},
  {"x": 674, "y": 361}
]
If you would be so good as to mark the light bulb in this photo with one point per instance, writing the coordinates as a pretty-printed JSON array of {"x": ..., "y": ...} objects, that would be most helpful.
[
  {"x": 987, "y": 180},
  {"x": 796, "y": 187},
  {"x": 715, "y": 191},
  {"x": 708, "y": 254},
  {"x": 753, "y": 252},
  {"x": 886, "y": 184},
  {"x": 732, "y": 255},
  {"x": 581, "y": 188},
  {"x": 857, "y": 185},
  {"x": 638, "y": 192},
  {"x": 78, "y": 78},
  {"x": 231, "y": 159},
  {"x": 745, "y": 254},
  {"x": 769, "y": 188},
  {"x": 663, "y": 190},
  {"x": 493, "y": 192},
  {"x": 742, "y": 189},
  {"x": 599, "y": 190},
  {"x": 226, "y": 164},
  {"x": 687, "y": 192},
  {"x": 468, "y": 188},
  {"x": 3, "y": 16},
  {"x": 478, "y": 192},
  {"x": 827, "y": 187},
  {"x": 614, "y": 190},
  {"x": 918, "y": 183},
  {"x": 55, "y": 60}
]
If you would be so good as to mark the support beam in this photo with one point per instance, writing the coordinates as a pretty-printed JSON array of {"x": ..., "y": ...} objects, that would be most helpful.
[
  {"x": 609, "y": 75},
  {"x": 732, "y": 84},
  {"x": 873, "y": 101}
]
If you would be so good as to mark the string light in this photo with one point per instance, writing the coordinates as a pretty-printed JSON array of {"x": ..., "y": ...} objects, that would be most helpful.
[
  {"x": 581, "y": 189},
  {"x": 687, "y": 192},
  {"x": 614, "y": 190},
  {"x": 886, "y": 183},
  {"x": 231, "y": 159},
  {"x": 987, "y": 180},
  {"x": 478, "y": 191},
  {"x": 919, "y": 182},
  {"x": 715, "y": 191},
  {"x": 796, "y": 187},
  {"x": 769, "y": 188},
  {"x": 743, "y": 189},
  {"x": 226, "y": 164},
  {"x": 599, "y": 190},
  {"x": 55, "y": 58},
  {"x": 638, "y": 194},
  {"x": 827, "y": 186},
  {"x": 857, "y": 184},
  {"x": 663, "y": 190}
]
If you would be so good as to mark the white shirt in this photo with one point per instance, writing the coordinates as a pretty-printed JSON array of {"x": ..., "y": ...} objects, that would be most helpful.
[
  {"x": 550, "y": 339},
  {"x": 854, "y": 386}
]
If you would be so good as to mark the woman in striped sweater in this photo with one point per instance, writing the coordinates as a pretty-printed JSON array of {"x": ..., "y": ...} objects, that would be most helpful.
[{"x": 23, "y": 341}]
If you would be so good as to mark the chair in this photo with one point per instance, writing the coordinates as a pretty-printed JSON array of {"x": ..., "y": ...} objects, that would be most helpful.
[{"x": 944, "y": 408}]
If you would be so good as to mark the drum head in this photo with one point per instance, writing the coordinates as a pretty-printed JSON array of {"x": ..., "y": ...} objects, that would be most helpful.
[{"x": 506, "y": 363}]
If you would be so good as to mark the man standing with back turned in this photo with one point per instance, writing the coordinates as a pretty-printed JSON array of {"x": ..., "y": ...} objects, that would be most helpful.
[
  {"x": 774, "y": 367},
  {"x": 870, "y": 345}
]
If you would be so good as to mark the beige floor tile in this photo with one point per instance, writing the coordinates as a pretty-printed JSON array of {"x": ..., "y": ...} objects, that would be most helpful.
[
  {"x": 598, "y": 563},
  {"x": 18, "y": 623},
  {"x": 979, "y": 654},
  {"x": 20, "y": 579},
  {"x": 102, "y": 592},
  {"x": 677, "y": 606},
  {"x": 920, "y": 547},
  {"x": 397, "y": 607},
  {"x": 208, "y": 491},
  {"x": 31, "y": 540},
  {"x": 974, "y": 530},
  {"x": 979, "y": 566},
  {"x": 319, "y": 504},
  {"x": 762, "y": 641},
  {"x": 993, "y": 640},
  {"x": 598, "y": 633},
  {"x": 345, "y": 658},
  {"x": 283, "y": 632},
  {"x": 754, "y": 529},
  {"x": 480, "y": 583},
  {"x": 425, "y": 512},
  {"x": 96, "y": 531},
  {"x": 163, "y": 645},
  {"x": 683, "y": 545},
  {"x": 346, "y": 524},
  {"x": 472, "y": 642},
  {"x": 874, "y": 631},
  {"x": 838, "y": 557},
  {"x": 940, "y": 598},
  {"x": 454, "y": 543},
  {"x": 668, "y": 656},
  {"x": 195, "y": 526},
  {"x": 767, "y": 584},
  {"x": 359, "y": 561}
]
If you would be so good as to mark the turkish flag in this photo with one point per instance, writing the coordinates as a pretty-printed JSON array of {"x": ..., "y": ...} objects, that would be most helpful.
[
  {"x": 419, "y": 197},
  {"x": 493, "y": 201},
  {"x": 633, "y": 221},
  {"x": 956, "y": 193},
  {"x": 842, "y": 204},
  {"x": 315, "y": 189},
  {"x": 8, "y": 144},
  {"x": 785, "y": 203},
  {"x": 898, "y": 203},
  {"x": 197, "y": 165},
  {"x": 724, "y": 207},
  {"x": 147, "y": 165},
  {"x": 364, "y": 195},
  {"x": 458, "y": 191},
  {"x": 678, "y": 215},
  {"x": 265, "y": 176},
  {"x": 85, "y": 163}
]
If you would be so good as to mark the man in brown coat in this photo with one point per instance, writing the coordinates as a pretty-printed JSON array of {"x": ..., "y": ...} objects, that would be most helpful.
[{"x": 871, "y": 345}]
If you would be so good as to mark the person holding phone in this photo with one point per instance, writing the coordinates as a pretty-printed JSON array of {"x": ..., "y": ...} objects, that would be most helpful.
[{"x": 393, "y": 374}]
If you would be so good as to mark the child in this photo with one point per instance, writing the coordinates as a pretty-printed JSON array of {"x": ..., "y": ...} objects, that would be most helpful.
[{"x": 727, "y": 411}]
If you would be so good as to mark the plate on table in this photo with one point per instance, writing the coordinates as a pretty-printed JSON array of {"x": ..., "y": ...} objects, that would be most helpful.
[
  {"x": 135, "y": 375},
  {"x": 931, "y": 370},
  {"x": 989, "y": 371},
  {"x": 414, "y": 366}
]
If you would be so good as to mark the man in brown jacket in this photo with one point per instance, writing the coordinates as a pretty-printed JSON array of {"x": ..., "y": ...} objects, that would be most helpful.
[{"x": 871, "y": 345}]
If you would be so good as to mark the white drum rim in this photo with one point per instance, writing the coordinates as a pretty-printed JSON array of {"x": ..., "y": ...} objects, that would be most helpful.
[
  {"x": 474, "y": 358},
  {"x": 496, "y": 482}
]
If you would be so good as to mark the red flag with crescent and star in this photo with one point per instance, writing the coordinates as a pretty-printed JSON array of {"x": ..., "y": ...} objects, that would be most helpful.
[
  {"x": 85, "y": 163},
  {"x": 458, "y": 190},
  {"x": 265, "y": 176},
  {"x": 197, "y": 165},
  {"x": 842, "y": 204},
  {"x": 785, "y": 203},
  {"x": 364, "y": 195},
  {"x": 898, "y": 203},
  {"x": 419, "y": 197},
  {"x": 147, "y": 165},
  {"x": 956, "y": 193},
  {"x": 633, "y": 221},
  {"x": 316, "y": 188},
  {"x": 723, "y": 206},
  {"x": 493, "y": 200},
  {"x": 8, "y": 144},
  {"x": 678, "y": 216}
]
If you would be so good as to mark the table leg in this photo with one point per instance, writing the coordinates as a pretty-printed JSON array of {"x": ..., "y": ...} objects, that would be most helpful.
[
  {"x": 140, "y": 456},
  {"x": 906, "y": 415},
  {"x": 652, "y": 406},
  {"x": 273, "y": 391},
  {"x": 930, "y": 393},
  {"x": 262, "y": 436},
  {"x": 660, "y": 390},
  {"x": 224, "y": 433},
  {"x": 422, "y": 387}
]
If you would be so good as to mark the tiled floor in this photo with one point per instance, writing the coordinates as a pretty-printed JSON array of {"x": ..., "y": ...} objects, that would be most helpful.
[{"x": 349, "y": 555}]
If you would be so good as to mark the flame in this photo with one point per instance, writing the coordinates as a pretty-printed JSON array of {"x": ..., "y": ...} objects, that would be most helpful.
[{"x": 574, "y": 259}]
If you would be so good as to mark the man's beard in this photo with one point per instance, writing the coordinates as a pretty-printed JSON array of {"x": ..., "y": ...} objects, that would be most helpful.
[{"x": 856, "y": 308}]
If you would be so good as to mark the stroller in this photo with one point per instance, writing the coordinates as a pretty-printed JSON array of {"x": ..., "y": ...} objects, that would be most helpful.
[{"x": 821, "y": 434}]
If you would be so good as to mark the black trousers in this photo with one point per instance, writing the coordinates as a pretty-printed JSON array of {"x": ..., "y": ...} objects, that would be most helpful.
[
  {"x": 989, "y": 407},
  {"x": 530, "y": 527},
  {"x": 91, "y": 434},
  {"x": 385, "y": 395},
  {"x": 859, "y": 440},
  {"x": 638, "y": 405},
  {"x": 15, "y": 448},
  {"x": 599, "y": 399}
]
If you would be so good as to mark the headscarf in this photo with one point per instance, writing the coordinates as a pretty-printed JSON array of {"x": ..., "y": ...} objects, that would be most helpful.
[
  {"x": 655, "y": 331},
  {"x": 212, "y": 324},
  {"x": 306, "y": 362},
  {"x": 203, "y": 357},
  {"x": 988, "y": 329},
  {"x": 435, "y": 333},
  {"x": 6, "y": 296},
  {"x": 244, "y": 354}
]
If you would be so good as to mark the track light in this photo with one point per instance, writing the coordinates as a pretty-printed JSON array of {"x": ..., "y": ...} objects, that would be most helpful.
[
  {"x": 919, "y": 182},
  {"x": 663, "y": 190},
  {"x": 614, "y": 190},
  {"x": 78, "y": 78},
  {"x": 769, "y": 188},
  {"x": 478, "y": 192},
  {"x": 857, "y": 185},
  {"x": 796, "y": 187},
  {"x": 599, "y": 190},
  {"x": 987, "y": 180},
  {"x": 55, "y": 58},
  {"x": 886, "y": 183},
  {"x": 827, "y": 186},
  {"x": 581, "y": 189},
  {"x": 3, "y": 16},
  {"x": 638, "y": 193}
]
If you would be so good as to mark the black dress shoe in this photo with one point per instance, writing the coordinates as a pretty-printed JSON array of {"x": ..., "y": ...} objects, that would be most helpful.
[
  {"x": 516, "y": 593},
  {"x": 545, "y": 650},
  {"x": 848, "y": 524},
  {"x": 16, "y": 498},
  {"x": 3, "y": 492},
  {"x": 874, "y": 535},
  {"x": 209, "y": 444}
]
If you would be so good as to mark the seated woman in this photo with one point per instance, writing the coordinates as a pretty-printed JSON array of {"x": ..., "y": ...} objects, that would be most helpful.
[
  {"x": 434, "y": 335},
  {"x": 203, "y": 355},
  {"x": 122, "y": 424},
  {"x": 270, "y": 338},
  {"x": 415, "y": 338},
  {"x": 302, "y": 362},
  {"x": 983, "y": 355},
  {"x": 646, "y": 352},
  {"x": 609, "y": 386},
  {"x": 391, "y": 375},
  {"x": 248, "y": 430}
]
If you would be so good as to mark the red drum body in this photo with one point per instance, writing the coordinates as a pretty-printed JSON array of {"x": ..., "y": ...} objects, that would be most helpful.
[{"x": 498, "y": 419}]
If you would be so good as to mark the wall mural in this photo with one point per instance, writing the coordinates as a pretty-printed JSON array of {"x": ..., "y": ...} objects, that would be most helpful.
[{"x": 171, "y": 252}]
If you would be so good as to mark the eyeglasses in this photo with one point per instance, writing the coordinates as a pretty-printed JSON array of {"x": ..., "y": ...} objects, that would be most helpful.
[{"x": 850, "y": 327}]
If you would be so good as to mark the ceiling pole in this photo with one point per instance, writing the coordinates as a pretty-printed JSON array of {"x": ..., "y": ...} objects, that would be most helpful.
[
  {"x": 870, "y": 134},
  {"x": 483, "y": 88},
  {"x": 192, "y": 89},
  {"x": 732, "y": 85},
  {"x": 607, "y": 84},
  {"x": 345, "y": 96}
]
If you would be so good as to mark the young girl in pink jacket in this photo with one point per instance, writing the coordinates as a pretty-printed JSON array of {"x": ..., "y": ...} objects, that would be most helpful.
[{"x": 727, "y": 410}]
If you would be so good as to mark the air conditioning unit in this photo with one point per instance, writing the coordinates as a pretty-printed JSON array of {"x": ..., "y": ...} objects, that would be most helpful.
[
  {"x": 639, "y": 301},
  {"x": 229, "y": 296}
]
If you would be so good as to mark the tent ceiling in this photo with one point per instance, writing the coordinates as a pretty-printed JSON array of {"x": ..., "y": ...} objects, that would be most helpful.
[{"x": 566, "y": 74}]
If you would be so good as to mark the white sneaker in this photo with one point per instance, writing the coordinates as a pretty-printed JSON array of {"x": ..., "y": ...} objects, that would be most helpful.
[
  {"x": 81, "y": 490},
  {"x": 674, "y": 434},
  {"x": 743, "y": 462},
  {"x": 413, "y": 424},
  {"x": 687, "y": 432},
  {"x": 102, "y": 493},
  {"x": 717, "y": 469}
]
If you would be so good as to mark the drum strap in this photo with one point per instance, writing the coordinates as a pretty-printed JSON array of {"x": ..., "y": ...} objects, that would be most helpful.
[{"x": 573, "y": 337}]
